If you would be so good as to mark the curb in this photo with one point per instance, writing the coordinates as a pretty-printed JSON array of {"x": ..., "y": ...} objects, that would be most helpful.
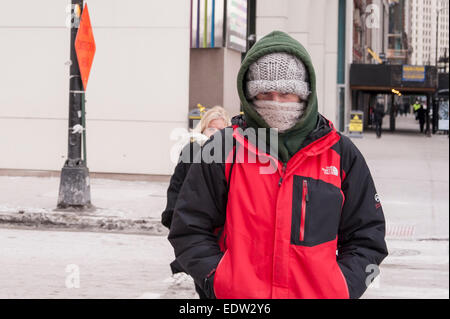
[{"x": 82, "y": 222}]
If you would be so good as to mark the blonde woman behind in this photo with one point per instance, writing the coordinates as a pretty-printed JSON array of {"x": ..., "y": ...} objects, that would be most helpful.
[{"x": 212, "y": 121}]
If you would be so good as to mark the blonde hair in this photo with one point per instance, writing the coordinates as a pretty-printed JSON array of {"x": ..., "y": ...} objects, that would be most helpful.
[{"x": 215, "y": 113}]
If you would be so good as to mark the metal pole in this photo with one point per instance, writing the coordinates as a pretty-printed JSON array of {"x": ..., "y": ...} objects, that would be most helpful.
[
  {"x": 83, "y": 123},
  {"x": 74, "y": 189},
  {"x": 427, "y": 129},
  {"x": 75, "y": 94},
  {"x": 392, "y": 114},
  {"x": 384, "y": 21}
]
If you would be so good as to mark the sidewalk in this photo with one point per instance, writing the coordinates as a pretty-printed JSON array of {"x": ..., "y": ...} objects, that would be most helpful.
[{"x": 410, "y": 172}]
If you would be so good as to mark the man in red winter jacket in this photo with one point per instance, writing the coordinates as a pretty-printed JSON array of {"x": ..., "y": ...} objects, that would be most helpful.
[{"x": 297, "y": 211}]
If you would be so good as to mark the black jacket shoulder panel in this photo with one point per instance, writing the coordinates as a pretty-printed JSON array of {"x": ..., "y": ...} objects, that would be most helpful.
[{"x": 348, "y": 152}]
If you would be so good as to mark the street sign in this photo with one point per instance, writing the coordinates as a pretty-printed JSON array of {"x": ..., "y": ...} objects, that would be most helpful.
[
  {"x": 237, "y": 25},
  {"x": 412, "y": 73},
  {"x": 355, "y": 128},
  {"x": 374, "y": 55},
  {"x": 85, "y": 46}
]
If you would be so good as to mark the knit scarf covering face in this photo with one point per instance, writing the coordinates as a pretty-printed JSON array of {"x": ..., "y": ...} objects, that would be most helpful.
[{"x": 280, "y": 115}]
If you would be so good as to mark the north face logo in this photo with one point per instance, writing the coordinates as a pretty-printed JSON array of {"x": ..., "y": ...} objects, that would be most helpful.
[{"x": 330, "y": 170}]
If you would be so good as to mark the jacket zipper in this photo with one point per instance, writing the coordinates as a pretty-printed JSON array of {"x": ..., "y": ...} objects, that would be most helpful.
[
  {"x": 283, "y": 170},
  {"x": 305, "y": 199}
]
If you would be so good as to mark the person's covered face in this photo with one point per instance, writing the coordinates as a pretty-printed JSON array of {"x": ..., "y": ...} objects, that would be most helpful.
[
  {"x": 278, "y": 89},
  {"x": 214, "y": 126}
]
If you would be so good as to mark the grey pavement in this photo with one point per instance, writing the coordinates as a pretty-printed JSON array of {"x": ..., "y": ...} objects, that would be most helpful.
[
  {"x": 414, "y": 269},
  {"x": 65, "y": 264},
  {"x": 410, "y": 172}
]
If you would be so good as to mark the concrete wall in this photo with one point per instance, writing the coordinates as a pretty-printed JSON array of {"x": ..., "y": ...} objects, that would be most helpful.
[
  {"x": 212, "y": 81},
  {"x": 232, "y": 65},
  {"x": 206, "y": 77},
  {"x": 314, "y": 23},
  {"x": 138, "y": 88}
]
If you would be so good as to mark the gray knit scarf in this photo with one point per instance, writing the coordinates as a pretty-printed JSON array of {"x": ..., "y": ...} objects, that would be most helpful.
[{"x": 280, "y": 115}]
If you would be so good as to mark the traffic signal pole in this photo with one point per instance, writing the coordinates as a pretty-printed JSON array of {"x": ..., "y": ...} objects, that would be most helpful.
[{"x": 74, "y": 189}]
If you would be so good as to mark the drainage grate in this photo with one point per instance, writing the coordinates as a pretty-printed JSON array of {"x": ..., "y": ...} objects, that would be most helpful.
[
  {"x": 404, "y": 252},
  {"x": 400, "y": 231}
]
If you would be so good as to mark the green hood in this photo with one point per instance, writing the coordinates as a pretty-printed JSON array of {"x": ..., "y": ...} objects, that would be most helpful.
[{"x": 290, "y": 141}]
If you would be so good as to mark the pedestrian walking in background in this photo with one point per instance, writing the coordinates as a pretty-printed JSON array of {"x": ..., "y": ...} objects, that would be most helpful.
[
  {"x": 213, "y": 120},
  {"x": 378, "y": 116},
  {"x": 396, "y": 109},
  {"x": 309, "y": 228},
  {"x": 406, "y": 109},
  {"x": 400, "y": 109},
  {"x": 416, "y": 106},
  {"x": 421, "y": 116}
]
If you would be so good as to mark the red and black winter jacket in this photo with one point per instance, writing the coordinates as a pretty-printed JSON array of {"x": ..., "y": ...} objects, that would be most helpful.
[{"x": 310, "y": 229}]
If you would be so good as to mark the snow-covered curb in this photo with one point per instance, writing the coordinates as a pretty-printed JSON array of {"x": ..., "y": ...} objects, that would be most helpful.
[{"x": 95, "y": 221}]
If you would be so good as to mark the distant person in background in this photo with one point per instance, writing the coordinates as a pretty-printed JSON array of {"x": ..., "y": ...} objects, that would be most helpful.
[
  {"x": 378, "y": 116},
  {"x": 212, "y": 121},
  {"x": 416, "y": 107},
  {"x": 400, "y": 108},
  {"x": 396, "y": 109},
  {"x": 371, "y": 116},
  {"x": 421, "y": 115},
  {"x": 406, "y": 109}
]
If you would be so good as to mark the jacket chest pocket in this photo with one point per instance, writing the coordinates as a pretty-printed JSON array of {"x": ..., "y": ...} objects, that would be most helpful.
[{"x": 316, "y": 209}]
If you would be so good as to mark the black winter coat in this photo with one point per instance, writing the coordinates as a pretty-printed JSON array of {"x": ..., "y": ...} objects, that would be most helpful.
[
  {"x": 177, "y": 179},
  {"x": 379, "y": 112}
]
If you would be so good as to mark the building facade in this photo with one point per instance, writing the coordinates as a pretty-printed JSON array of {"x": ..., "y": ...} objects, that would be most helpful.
[
  {"x": 429, "y": 31},
  {"x": 142, "y": 84},
  {"x": 399, "y": 46},
  {"x": 138, "y": 86},
  {"x": 370, "y": 30}
]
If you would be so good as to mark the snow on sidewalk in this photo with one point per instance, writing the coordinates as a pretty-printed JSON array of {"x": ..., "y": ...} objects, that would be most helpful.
[{"x": 118, "y": 204}]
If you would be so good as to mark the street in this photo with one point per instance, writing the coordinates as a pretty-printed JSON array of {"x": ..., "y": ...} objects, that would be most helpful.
[
  {"x": 413, "y": 270},
  {"x": 42, "y": 264}
]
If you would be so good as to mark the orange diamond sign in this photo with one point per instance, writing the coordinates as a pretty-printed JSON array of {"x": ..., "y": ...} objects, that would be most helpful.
[{"x": 85, "y": 46}]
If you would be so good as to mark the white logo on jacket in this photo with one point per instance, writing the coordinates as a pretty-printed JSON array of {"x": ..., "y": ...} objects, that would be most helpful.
[{"x": 330, "y": 170}]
